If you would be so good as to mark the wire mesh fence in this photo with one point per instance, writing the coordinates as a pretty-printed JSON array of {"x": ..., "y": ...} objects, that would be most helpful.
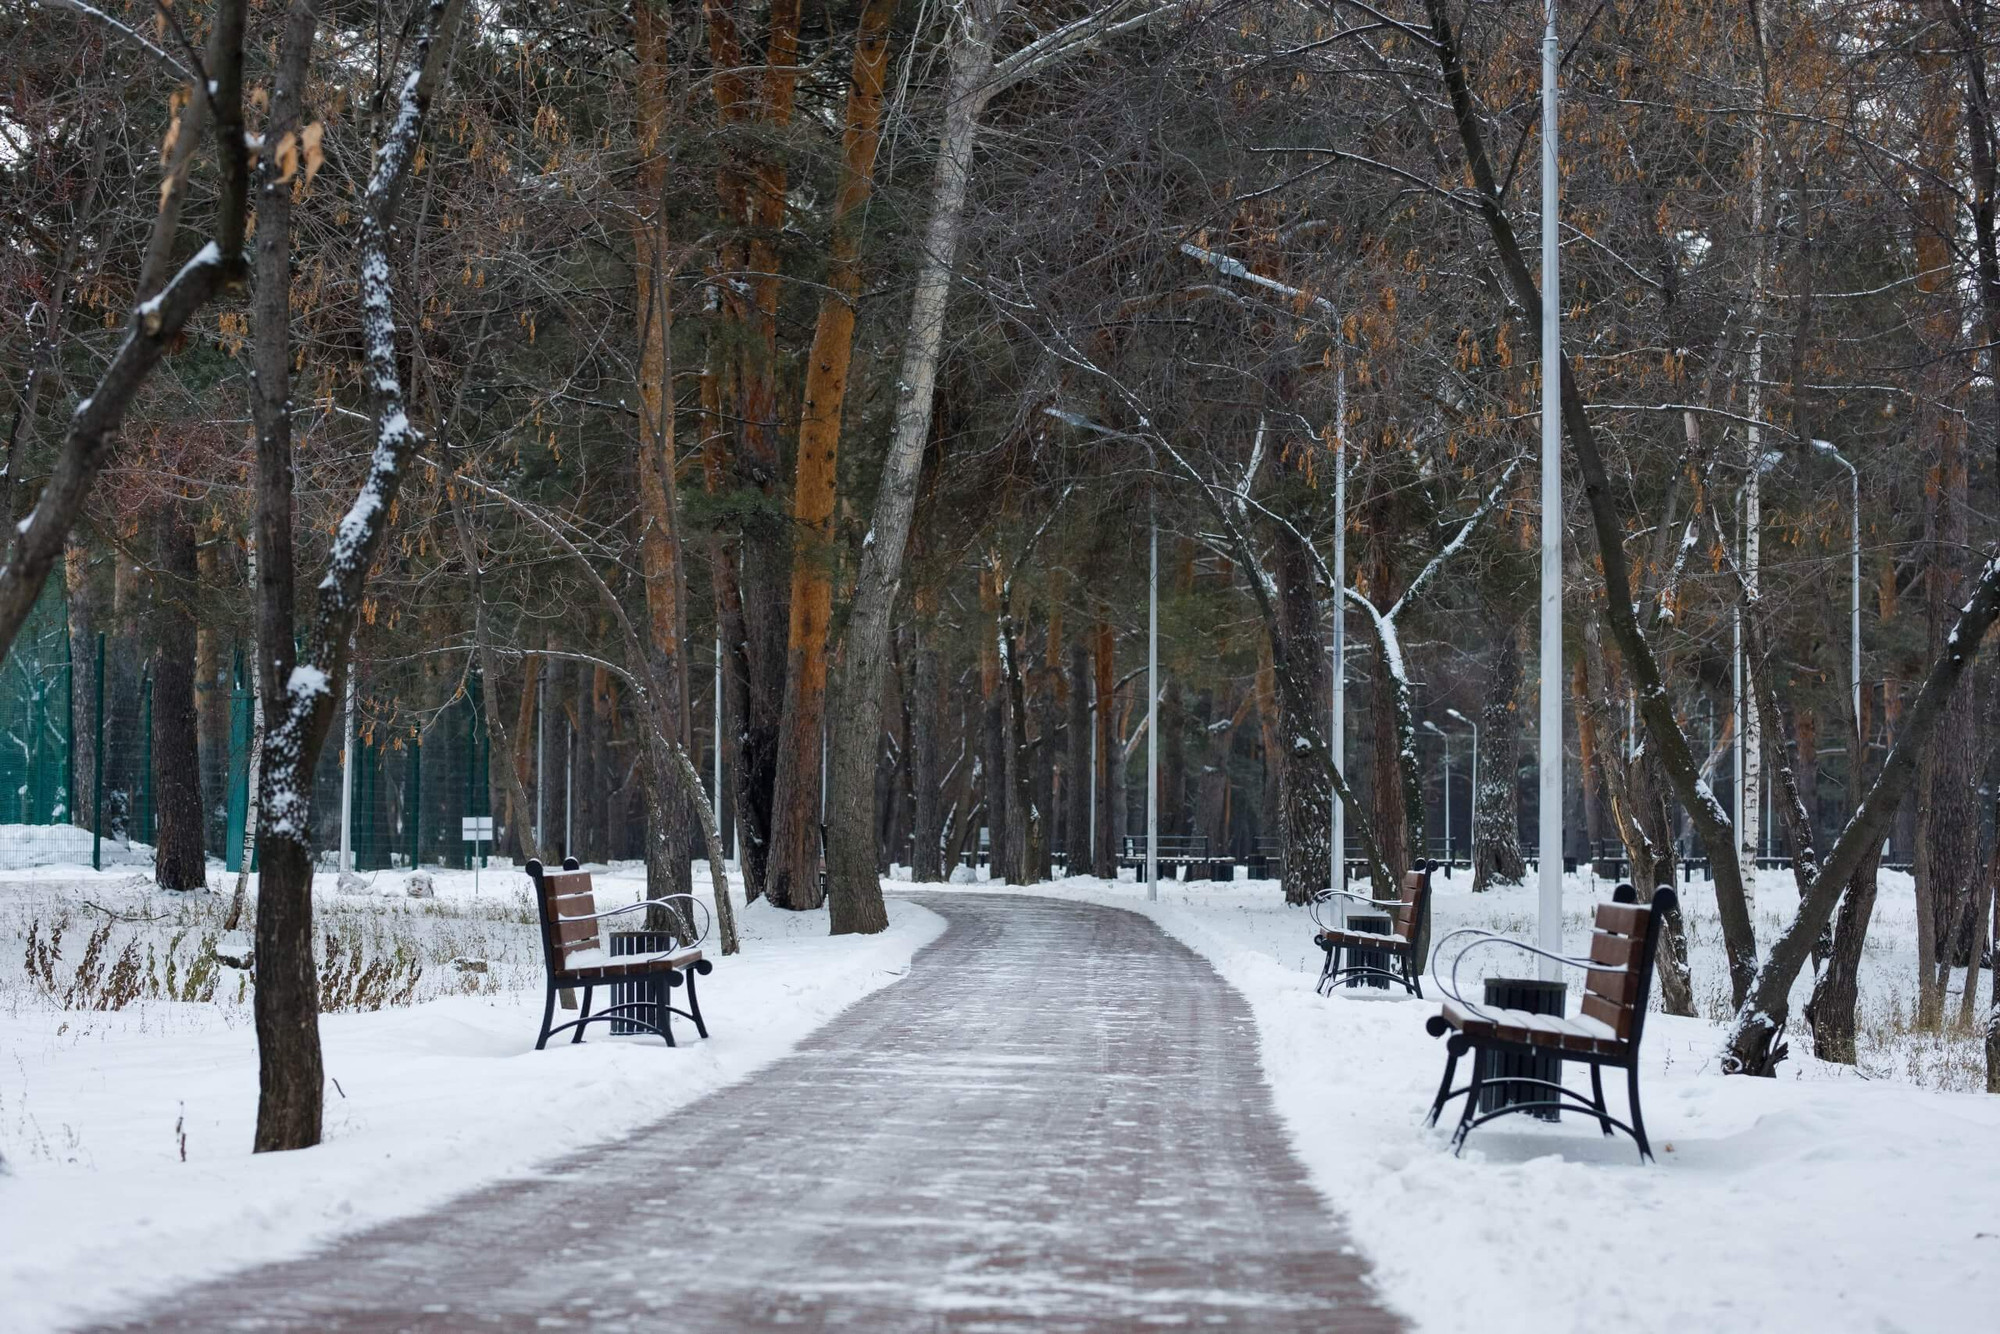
[{"x": 77, "y": 772}]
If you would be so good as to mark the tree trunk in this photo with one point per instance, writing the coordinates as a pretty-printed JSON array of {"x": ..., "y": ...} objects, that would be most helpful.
[
  {"x": 795, "y": 848},
  {"x": 1830, "y": 1012},
  {"x": 1305, "y": 795},
  {"x": 856, "y": 892},
  {"x": 1103, "y": 856},
  {"x": 993, "y": 756},
  {"x": 671, "y": 833},
  {"x": 1077, "y": 773},
  {"x": 1979, "y": 914},
  {"x": 82, "y": 599},
  {"x": 178, "y": 861},
  {"x": 765, "y": 541},
  {"x": 1496, "y": 813},
  {"x": 211, "y": 695},
  {"x": 302, "y": 697},
  {"x": 1947, "y": 835},
  {"x": 926, "y": 720}
]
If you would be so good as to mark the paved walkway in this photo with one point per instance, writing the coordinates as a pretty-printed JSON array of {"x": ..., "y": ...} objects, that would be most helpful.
[{"x": 1055, "y": 1123}]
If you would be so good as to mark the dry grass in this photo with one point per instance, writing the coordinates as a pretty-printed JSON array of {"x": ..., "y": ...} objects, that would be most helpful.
[{"x": 372, "y": 952}]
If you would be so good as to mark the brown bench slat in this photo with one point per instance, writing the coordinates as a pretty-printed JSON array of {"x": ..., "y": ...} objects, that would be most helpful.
[
  {"x": 1534, "y": 1030},
  {"x": 1618, "y": 951},
  {"x": 568, "y": 934},
  {"x": 617, "y": 969},
  {"x": 1619, "y": 1017},
  {"x": 1624, "y": 918},
  {"x": 1366, "y": 940},
  {"x": 1618, "y": 988}
]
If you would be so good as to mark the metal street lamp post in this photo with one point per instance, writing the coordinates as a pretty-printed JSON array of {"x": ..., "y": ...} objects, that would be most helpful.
[
  {"x": 1550, "y": 742},
  {"x": 1445, "y": 737}
]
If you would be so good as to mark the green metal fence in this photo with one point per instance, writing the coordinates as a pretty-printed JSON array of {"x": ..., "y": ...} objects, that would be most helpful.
[{"x": 76, "y": 765}]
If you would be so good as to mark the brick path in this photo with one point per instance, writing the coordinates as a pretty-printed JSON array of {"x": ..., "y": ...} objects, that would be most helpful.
[{"x": 1055, "y": 1123}]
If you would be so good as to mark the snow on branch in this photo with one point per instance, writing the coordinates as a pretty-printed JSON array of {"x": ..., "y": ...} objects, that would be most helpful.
[
  {"x": 174, "y": 64},
  {"x": 1457, "y": 543},
  {"x": 1059, "y": 44}
]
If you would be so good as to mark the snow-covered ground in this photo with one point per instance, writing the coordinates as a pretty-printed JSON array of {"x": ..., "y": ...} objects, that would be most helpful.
[
  {"x": 1826, "y": 1199},
  {"x": 126, "y": 1133},
  {"x": 1822, "y": 1200}
]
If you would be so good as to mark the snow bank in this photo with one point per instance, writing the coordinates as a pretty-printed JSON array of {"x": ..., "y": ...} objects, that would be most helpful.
[
  {"x": 63, "y": 847},
  {"x": 127, "y": 1134},
  {"x": 1815, "y": 1201}
]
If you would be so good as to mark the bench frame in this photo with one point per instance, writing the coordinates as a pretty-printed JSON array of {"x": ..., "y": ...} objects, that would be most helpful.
[
  {"x": 1621, "y": 1054},
  {"x": 1405, "y": 915},
  {"x": 655, "y": 1015}
]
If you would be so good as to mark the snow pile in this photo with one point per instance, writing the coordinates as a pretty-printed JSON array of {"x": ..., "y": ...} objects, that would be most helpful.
[
  {"x": 64, "y": 846},
  {"x": 1821, "y": 1200},
  {"x": 127, "y": 1134}
]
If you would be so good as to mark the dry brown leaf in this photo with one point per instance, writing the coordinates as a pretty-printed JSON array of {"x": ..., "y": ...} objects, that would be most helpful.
[
  {"x": 309, "y": 139},
  {"x": 288, "y": 156}
]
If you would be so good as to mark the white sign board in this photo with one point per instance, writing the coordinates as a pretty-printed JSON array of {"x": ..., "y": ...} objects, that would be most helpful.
[{"x": 478, "y": 829}]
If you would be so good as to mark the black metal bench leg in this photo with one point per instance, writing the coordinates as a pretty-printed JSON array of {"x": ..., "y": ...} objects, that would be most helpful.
[
  {"x": 1597, "y": 1098},
  {"x": 1471, "y": 1103},
  {"x": 663, "y": 992},
  {"x": 1638, "y": 1121},
  {"x": 1326, "y": 970},
  {"x": 694, "y": 1001},
  {"x": 1444, "y": 1085},
  {"x": 584, "y": 1014},
  {"x": 1410, "y": 981},
  {"x": 548, "y": 1017}
]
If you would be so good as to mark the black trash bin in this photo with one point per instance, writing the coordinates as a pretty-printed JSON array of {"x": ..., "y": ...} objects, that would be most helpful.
[
  {"x": 647, "y": 991},
  {"x": 1536, "y": 997},
  {"x": 1361, "y": 958}
]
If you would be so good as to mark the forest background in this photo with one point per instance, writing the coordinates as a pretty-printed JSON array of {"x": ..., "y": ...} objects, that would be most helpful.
[{"x": 820, "y": 368}]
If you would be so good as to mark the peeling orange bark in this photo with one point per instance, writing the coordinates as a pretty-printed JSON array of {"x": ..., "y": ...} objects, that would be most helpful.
[{"x": 794, "y": 865}]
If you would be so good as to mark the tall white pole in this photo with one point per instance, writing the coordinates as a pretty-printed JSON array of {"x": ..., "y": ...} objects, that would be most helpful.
[
  {"x": 1447, "y": 803},
  {"x": 1736, "y": 712},
  {"x": 1153, "y": 718},
  {"x": 1336, "y": 872},
  {"x": 347, "y": 783},
  {"x": 1854, "y": 578},
  {"x": 1549, "y": 860},
  {"x": 542, "y": 756}
]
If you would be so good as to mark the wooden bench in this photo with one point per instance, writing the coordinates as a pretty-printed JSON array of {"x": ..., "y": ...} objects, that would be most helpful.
[
  {"x": 1406, "y": 916},
  {"x": 1618, "y": 982},
  {"x": 1181, "y": 857},
  {"x": 577, "y": 954}
]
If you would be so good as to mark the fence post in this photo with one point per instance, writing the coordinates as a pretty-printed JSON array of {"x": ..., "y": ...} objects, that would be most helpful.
[{"x": 97, "y": 787}]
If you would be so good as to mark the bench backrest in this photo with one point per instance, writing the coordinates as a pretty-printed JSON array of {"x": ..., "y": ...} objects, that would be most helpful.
[
  {"x": 1171, "y": 845},
  {"x": 1626, "y": 942},
  {"x": 1410, "y": 905},
  {"x": 566, "y": 903}
]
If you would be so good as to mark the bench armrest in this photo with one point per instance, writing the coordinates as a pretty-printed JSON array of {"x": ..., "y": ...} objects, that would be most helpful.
[
  {"x": 1481, "y": 936},
  {"x": 700, "y": 935},
  {"x": 1325, "y": 896}
]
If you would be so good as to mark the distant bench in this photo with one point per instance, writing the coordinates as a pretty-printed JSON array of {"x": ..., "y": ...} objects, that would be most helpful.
[
  {"x": 576, "y": 952},
  {"x": 1182, "y": 856}
]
